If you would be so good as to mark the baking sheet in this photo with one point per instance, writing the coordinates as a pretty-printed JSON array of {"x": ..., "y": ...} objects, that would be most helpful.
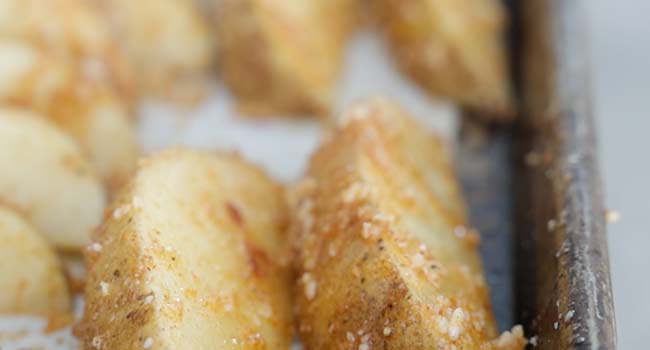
[{"x": 281, "y": 145}]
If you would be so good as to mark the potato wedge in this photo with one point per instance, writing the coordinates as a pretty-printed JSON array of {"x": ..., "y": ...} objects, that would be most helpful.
[
  {"x": 31, "y": 279},
  {"x": 384, "y": 257},
  {"x": 72, "y": 30},
  {"x": 453, "y": 48},
  {"x": 167, "y": 42},
  {"x": 44, "y": 174},
  {"x": 192, "y": 257},
  {"x": 86, "y": 109},
  {"x": 282, "y": 56}
]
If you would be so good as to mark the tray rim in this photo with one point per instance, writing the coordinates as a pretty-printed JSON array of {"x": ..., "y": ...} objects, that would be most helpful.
[{"x": 560, "y": 197}]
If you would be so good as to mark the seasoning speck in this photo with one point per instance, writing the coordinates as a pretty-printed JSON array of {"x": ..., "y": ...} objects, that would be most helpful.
[
  {"x": 533, "y": 341},
  {"x": 556, "y": 325},
  {"x": 387, "y": 331},
  {"x": 148, "y": 343}
]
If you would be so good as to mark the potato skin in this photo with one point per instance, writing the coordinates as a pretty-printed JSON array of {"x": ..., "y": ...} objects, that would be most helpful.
[
  {"x": 192, "y": 256},
  {"x": 282, "y": 56},
  {"x": 86, "y": 108},
  {"x": 383, "y": 255},
  {"x": 453, "y": 48},
  {"x": 44, "y": 174},
  {"x": 31, "y": 279}
]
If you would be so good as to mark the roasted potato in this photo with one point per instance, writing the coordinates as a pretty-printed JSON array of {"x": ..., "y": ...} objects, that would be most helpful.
[
  {"x": 43, "y": 173},
  {"x": 30, "y": 274},
  {"x": 452, "y": 48},
  {"x": 86, "y": 109},
  {"x": 167, "y": 42},
  {"x": 281, "y": 56},
  {"x": 193, "y": 256},
  {"x": 72, "y": 30},
  {"x": 384, "y": 256}
]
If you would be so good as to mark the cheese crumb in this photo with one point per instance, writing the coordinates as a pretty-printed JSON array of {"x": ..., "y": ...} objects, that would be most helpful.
[
  {"x": 137, "y": 202},
  {"x": 513, "y": 339},
  {"x": 357, "y": 191},
  {"x": 356, "y": 112},
  {"x": 569, "y": 314},
  {"x": 369, "y": 231},
  {"x": 96, "y": 342},
  {"x": 331, "y": 250},
  {"x": 349, "y": 336},
  {"x": 460, "y": 231},
  {"x": 380, "y": 217},
  {"x": 387, "y": 331},
  {"x": 310, "y": 286},
  {"x": 456, "y": 323},
  {"x": 364, "y": 341},
  {"x": 148, "y": 343},
  {"x": 95, "y": 247},
  {"x": 612, "y": 216},
  {"x": 104, "y": 287},
  {"x": 120, "y": 211},
  {"x": 443, "y": 324},
  {"x": 551, "y": 225},
  {"x": 418, "y": 260}
]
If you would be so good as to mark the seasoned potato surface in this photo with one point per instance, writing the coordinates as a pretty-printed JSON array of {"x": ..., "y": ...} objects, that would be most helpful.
[
  {"x": 192, "y": 256},
  {"x": 384, "y": 256}
]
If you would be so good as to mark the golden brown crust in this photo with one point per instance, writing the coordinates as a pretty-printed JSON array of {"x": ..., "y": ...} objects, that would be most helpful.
[
  {"x": 192, "y": 255},
  {"x": 282, "y": 57},
  {"x": 453, "y": 48},
  {"x": 384, "y": 258}
]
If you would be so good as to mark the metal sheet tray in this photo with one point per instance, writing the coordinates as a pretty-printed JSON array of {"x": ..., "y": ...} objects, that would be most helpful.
[{"x": 534, "y": 188}]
